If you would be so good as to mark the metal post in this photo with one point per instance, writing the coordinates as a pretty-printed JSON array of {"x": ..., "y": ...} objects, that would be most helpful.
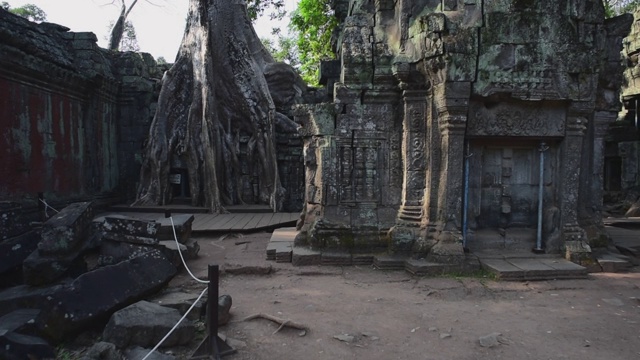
[
  {"x": 212, "y": 347},
  {"x": 465, "y": 206},
  {"x": 542, "y": 149},
  {"x": 212, "y": 311}
]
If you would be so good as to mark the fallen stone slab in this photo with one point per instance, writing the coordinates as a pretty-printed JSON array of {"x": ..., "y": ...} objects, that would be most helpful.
[
  {"x": 14, "y": 346},
  {"x": 113, "y": 252},
  {"x": 102, "y": 351},
  {"x": 22, "y": 321},
  {"x": 40, "y": 268},
  {"x": 144, "y": 324},
  {"x": 170, "y": 249},
  {"x": 11, "y": 220},
  {"x": 132, "y": 239},
  {"x": 94, "y": 296},
  {"x": 25, "y": 297},
  {"x": 183, "y": 224},
  {"x": 66, "y": 230},
  {"x": 13, "y": 252},
  {"x": 126, "y": 225},
  {"x": 182, "y": 301},
  {"x": 138, "y": 353}
]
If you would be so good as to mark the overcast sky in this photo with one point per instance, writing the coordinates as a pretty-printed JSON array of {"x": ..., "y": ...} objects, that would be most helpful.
[{"x": 159, "y": 28}]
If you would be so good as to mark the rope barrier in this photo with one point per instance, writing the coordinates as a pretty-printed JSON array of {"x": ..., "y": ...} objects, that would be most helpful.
[
  {"x": 176, "y": 325},
  {"x": 175, "y": 237},
  {"x": 47, "y": 206}
]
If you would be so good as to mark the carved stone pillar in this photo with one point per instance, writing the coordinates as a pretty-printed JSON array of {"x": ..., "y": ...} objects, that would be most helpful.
[
  {"x": 414, "y": 155},
  {"x": 452, "y": 104},
  {"x": 577, "y": 250}
]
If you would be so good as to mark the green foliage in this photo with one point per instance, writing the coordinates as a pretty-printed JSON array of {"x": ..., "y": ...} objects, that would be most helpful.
[
  {"x": 161, "y": 61},
  {"x": 283, "y": 49},
  {"x": 617, "y": 7},
  {"x": 313, "y": 23},
  {"x": 28, "y": 11},
  {"x": 256, "y": 8}
]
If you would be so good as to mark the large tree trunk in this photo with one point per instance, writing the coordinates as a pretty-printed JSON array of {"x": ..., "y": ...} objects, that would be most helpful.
[
  {"x": 214, "y": 93},
  {"x": 118, "y": 28}
]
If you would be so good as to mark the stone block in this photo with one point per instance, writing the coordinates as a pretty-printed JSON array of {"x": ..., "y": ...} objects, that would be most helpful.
[
  {"x": 125, "y": 225},
  {"x": 65, "y": 231},
  {"x": 72, "y": 308},
  {"x": 40, "y": 269},
  {"x": 11, "y": 222},
  {"x": 132, "y": 239},
  {"x": 15, "y": 250},
  {"x": 182, "y": 301},
  {"x": 335, "y": 258},
  {"x": 113, "y": 252},
  {"x": 145, "y": 324},
  {"x": 303, "y": 256},
  {"x": 389, "y": 262},
  {"x": 21, "y": 320},
  {"x": 18, "y": 346}
]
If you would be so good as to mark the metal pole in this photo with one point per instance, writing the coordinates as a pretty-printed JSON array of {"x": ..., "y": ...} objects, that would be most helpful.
[
  {"x": 212, "y": 311},
  {"x": 212, "y": 347},
  {"x": 542, "y": 149},
  {"x": 465, "y": 206}
]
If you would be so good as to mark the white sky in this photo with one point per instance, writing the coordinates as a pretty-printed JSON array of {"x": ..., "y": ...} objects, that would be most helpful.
[{"x": 159, "y": 28}]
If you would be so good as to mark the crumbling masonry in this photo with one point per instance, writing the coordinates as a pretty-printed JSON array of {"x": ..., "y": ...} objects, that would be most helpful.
[{"x": 441, "y": 112}]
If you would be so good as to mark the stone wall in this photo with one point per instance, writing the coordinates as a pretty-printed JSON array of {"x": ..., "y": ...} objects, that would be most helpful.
[
  {"x": 74, "y": 116},
  {"x": 622, "y": 157},
  {"x": 426, "y": 85}
]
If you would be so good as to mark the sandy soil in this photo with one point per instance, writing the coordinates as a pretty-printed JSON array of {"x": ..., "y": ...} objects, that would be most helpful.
[{"x": 361, "y": 313}]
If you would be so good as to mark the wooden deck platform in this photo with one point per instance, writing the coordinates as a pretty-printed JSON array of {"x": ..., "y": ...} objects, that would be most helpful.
[{"x": 232, "y": 222}]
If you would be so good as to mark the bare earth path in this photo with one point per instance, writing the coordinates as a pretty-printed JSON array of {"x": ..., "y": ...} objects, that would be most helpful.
[{"x": 363, "y": 313}]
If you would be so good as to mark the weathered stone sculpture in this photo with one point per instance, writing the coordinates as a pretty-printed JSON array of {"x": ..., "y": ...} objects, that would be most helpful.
[{"x": 442, "y": 115}]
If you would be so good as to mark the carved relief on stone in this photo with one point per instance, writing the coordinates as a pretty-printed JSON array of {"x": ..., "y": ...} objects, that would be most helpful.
[
  {"x": 515, "y": 120},
  {"x": 360, "y": 169},
  {"x": 395, "y": 160}
]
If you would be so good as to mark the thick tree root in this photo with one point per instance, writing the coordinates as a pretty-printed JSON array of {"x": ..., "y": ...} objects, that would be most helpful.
[{"x": 282, "y": 322}]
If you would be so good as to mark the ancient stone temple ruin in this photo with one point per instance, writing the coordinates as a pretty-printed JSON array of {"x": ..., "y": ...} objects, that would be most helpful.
[{"x": 462, "y": 125}]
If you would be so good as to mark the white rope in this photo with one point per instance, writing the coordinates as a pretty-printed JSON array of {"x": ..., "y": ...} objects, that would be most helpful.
[
  {"x": 175, "y": 237},
  {"x": 176, "y": 325},
  {"x": 47, "y": 206}
]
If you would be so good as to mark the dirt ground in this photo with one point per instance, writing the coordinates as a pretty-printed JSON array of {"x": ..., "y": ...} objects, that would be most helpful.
[{"x": 358, "y": 312}]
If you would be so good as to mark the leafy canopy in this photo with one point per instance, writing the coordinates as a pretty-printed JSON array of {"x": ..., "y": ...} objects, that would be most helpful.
[
  {"x": 313, "y": 23},
  {"x": 616, "y": 7},
  {"x": 28, "y": 11}
]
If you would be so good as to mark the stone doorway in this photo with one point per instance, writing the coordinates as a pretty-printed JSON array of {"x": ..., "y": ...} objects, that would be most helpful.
[{"x": 504, "y": 178}]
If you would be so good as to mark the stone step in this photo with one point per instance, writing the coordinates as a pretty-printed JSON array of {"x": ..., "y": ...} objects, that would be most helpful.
[
  {"x": 610, "y": 262},
  {"x": 532, "y": 268}
]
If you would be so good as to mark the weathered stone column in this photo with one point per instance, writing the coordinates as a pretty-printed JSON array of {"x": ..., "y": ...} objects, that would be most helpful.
[
  {"x": 452, "y": 103},
  {"x": 577, "y": 250},
  {"x": 414, "y": 154}
]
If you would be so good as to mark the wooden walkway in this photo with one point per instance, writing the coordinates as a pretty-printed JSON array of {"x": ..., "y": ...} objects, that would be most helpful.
[{"x": 233, "y": 222}]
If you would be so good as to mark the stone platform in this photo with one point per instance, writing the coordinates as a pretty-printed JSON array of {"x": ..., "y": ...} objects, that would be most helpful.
[
  {"x": 517, "y": 267},
  {"x": 525, "y": 267}
]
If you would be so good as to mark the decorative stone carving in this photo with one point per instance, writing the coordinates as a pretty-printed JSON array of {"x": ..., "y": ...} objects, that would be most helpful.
[{"x": 421, "y": 83}]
